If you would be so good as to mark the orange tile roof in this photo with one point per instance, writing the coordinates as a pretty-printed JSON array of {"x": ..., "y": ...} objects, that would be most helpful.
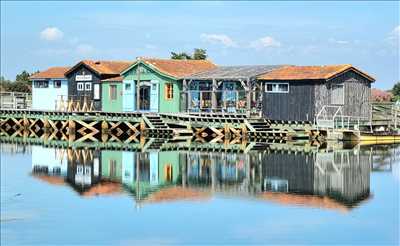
[
  {"x": 104, "y": 188},
  {"x": 303, "y": 200},
  {"x": 114, "y": 79},
  {"x": 54, "y": 180},
  {"x": 179, "y": 68},
  {"x": 310, "y": 72},
  {"x": 50, "y": 73},
  {"x": 104, "y": 67},
  {"x": 177, "y": 193}
]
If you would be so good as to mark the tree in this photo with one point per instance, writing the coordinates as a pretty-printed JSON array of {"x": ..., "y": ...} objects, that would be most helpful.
[
  {"x": 396, "y": 91},
  {"x": 23, "y": 77},
  {"x": 200, "y": 54},
  {"x": 180, "y": 56}
]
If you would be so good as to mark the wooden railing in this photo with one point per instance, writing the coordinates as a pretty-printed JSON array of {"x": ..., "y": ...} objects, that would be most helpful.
[
  {"x": 15, "y": 100},
  {"x": 74, "y": 104}
]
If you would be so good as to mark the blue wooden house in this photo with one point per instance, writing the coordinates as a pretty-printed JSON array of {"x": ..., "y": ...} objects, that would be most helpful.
[{"x": 48, "y": 87}]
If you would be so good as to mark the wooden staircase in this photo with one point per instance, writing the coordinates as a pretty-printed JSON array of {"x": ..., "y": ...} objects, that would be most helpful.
[{"x": 157, "y": 127}]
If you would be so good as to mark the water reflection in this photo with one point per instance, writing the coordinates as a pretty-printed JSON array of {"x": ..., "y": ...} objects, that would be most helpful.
[{"x": 338, "y": 179}]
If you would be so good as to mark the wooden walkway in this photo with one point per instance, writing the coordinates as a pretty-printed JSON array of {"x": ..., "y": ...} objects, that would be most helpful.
[{"x": 130, "y": 127}]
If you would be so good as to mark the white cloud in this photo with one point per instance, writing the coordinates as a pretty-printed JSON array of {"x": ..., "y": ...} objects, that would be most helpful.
[
  {"x": 396, "y": 31},
  {"x": 334, "y": 41},
  {"x": 218, "y": 39},
  {"x": 393, "y": 39},
  {"x": 51, "y": 34},
  {"x": 265, "y": 42},
  {"x": 85, "y": 49}
]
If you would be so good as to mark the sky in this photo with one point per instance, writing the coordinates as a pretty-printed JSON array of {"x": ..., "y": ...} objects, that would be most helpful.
[{"x": 37, "y": 35}]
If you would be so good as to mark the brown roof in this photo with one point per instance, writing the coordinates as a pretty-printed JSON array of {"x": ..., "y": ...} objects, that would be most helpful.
[
  {"x": 177, "y": 193},
  {"x": 50, "y": 73},
  {"x": 179, "y": 68},
  {"x": 304, "y": 200},
  {"x": 54, "y": 180},
  {"x": 104, "y": 67},
  {"x": 104, "y": 188},
  {"x": 310, "y": 72},
  {"x": 114, "y": 79}
]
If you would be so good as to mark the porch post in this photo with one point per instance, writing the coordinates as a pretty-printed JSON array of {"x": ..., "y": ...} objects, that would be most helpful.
[
  {"x": 248, "y": 97},
  {"x": 184, "y": 101},
  {"x": 214, "y": 95},
  {"x": 189, "y": 98},
  {"x": 138, "y": 86}
]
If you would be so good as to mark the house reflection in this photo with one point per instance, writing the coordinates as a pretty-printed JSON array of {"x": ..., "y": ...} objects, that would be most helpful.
[{"x": 323, "y": 179}]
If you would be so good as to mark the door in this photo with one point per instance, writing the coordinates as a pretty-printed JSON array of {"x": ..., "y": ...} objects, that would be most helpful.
[
  {"x": 128, "y": 168},
  {"x": 128, "y": 99},
  {"x": 144, "y": 93},
  {"x": 153, "y": 168},
  {"x": 230, "y": 96},
  {"x": 154, "y": 96}
]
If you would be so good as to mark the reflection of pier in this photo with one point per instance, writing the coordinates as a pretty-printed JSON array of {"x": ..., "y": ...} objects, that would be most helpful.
[{"x": 330, "y": 179}]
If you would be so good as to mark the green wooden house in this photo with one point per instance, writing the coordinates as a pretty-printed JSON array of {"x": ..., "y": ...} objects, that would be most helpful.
[
  {"x": 111, "y": 93},
  {"x": 155, "y": 85}
]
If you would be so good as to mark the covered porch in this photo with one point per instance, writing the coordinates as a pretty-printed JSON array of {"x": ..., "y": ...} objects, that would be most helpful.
[{"x": 226, "y": 89}]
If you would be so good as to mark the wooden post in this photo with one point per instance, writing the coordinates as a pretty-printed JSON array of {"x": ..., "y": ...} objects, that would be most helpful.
[
  {"x": 71, "y": 130},
  {"x": 138, "y": 85},
  {"x": 104, "y": 127},
  {"x": 184, "y": 106},
  {"x": 248, "y": 98},
  {"x": 214, "y": 95}
]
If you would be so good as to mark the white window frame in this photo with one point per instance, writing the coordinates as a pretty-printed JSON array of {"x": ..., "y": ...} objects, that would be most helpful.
[
  {"x": 80, "y": 86},
  {"x": 277, "y": 84},
  {"x": 96, "y": 91},
  {"x": 88, "y": 86},
  {"x": 54, "y": 84}
]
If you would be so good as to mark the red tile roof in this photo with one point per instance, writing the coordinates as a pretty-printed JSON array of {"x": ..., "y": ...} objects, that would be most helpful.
[
  {"x": 178, "y": 193},
  {"x": 104, "y": 67},
  {"x": 310, "y": 72},
  {"x": 104, "y": 188},
  {"x": 50, "y": 73},
  {"x": 179, "y": 68},
  {"x": 114, "y": 79},
  {"x": 303, "y": 200}
]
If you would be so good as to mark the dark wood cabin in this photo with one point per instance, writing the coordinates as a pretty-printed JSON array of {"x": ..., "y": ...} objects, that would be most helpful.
[
  {"x": 343, "y": 175},
  {"x": 85, "y": 77},
  {"x": 300, "y": 92}
]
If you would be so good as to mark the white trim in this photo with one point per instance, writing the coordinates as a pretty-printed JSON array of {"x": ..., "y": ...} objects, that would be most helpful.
[
  {"x": 285, "y": 92},
  {"x": 88, "y": 86},
  {"x": 79, "y": 87},
  {"x": 96, "y": 91}
]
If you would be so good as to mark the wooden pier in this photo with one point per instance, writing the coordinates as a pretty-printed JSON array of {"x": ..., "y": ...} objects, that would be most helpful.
[{"x": 130, "y": 127}]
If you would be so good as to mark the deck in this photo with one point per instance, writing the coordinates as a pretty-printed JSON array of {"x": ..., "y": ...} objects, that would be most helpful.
[{"x": 131, "y": 127}]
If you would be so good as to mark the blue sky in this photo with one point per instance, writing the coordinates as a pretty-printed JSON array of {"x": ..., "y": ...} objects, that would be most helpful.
[{"x": 36, "y": 35}]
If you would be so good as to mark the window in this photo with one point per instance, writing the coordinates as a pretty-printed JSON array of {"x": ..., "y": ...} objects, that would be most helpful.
[
  {"x": 128, "y": 86},
  {"x": 96, "y": 91},
  {"x": 88, "y": 86},
  {"x": 337, "y": 95},
  {"x": 169, "y": 91},
  {"x": 79, "y": 86},
  {"x": 57, "y": 83},
  {"x": 41, "y": 84},
  {"x": 277, "y": 87},
  {"x": 113, "y": 92}
]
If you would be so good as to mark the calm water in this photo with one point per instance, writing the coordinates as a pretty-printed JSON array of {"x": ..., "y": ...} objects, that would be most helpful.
[{"x": 88, "y": 196}]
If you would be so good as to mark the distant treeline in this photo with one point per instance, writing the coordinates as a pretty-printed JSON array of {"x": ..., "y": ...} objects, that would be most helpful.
[{"x": 20, "y": 84}]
